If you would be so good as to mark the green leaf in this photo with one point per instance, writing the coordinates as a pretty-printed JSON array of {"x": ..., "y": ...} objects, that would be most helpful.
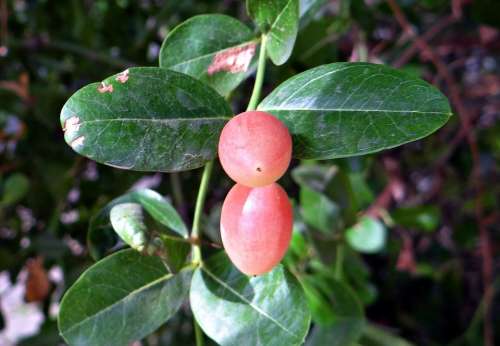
[
  {"x": 279, "y": 19},
  {"x": 101, "y": 237},
  {"x": 216, "y": 49},
  {"x": 127, "y": 220},
  {"x": 348, "y": 109},
  {"x": 367, "y": 236},
  {"x": 319, "y": 211},
  {"x": 313, "y": 176},
  {"x": 309, "y": 9},
  {"x": 14, "y": 189},
  {"x": 233, "y": 308},
  {"x": 425, "y": 218},
  {"x": 146, "y": 119},
  {"x": 122, "y": 298},
  {"x": 348, "y": 323}
]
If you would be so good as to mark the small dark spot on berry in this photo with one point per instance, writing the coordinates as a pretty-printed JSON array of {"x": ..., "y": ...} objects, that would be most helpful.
[{"x": 259, "y": 169}]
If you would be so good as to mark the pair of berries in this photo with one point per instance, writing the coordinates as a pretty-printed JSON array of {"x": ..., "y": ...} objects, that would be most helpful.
[{"x": 255, "y": 150}]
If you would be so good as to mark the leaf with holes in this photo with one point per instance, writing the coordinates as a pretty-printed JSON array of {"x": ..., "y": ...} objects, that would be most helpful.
[
  {"x": 101, "y": 237},
  {"x": 279, "y": 19},
  {"x": 120, "y": 299},
  {"x": 146, "y": 119},
  {"x": 217, "y": 49},
  {"x": 348, "y": 109},
  {"x": 232, "y": 308}
]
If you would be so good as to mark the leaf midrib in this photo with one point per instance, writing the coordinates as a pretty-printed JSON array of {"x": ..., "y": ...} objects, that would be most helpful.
[
  {"x": 256, "y": 308},
  {"x": 164, "y": 120},
  {"x": 279, "y": 15},
  {"x": 352, "y": 110},
  {"x": 132, "y": 293}
]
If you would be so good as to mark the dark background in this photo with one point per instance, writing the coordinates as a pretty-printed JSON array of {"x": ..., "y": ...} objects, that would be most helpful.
[{"x": 435, "y": 281}]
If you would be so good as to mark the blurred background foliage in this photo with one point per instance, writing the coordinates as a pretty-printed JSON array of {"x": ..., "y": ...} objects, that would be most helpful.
[{"x": 423, "y": 257}]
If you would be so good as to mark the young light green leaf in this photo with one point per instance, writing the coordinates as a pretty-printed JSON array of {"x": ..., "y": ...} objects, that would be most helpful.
[
  {"x": 279, "y": 20},
  {"x": 216, "y": 49},
  {"x": 101, "y": 237},
  {"x": 120, "y": 299},
  {"x": 348, "y": 319},
  {"x": 146, "y": 119},
  {"x": 127, "y": 220},
  {"x": 232, "y": 308},
  {"x": 367, "y": 236},
  {"x": 348, "y": 109}
]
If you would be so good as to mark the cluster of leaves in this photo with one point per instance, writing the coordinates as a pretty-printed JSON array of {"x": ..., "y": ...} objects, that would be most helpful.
[
  {"x": 163, "y": 119},
  {"x": 330, "y": 110}
]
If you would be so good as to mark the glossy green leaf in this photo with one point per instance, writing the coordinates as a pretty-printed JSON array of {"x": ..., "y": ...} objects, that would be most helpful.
[
  {"x": 14, "y": 189},
  {"x": 122, "y": 298},
  {"x": 319, "y": 211},
  {"x": 233, "y": 308},
  {"x": 367, "y": 236},
  {"x": 146, "y": 119},
  {"x": 424, "y": 218},
  {"x": 279, "y": 19},
  {"x": 348, "y": 109},
  {"x": 348, "y": 321},
  {"x": 216, "y": 49},
  {"x": 101, "y": 237},
  {"x": 175, "y": 253}
]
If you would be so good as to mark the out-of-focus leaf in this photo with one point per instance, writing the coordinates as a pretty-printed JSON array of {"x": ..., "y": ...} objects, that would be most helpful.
[
  {"x": 367, "y": 236},
  {"x": 146, "y": 119},
  {"x": 348, "y": 109},
  {"x": 14, "y": 189},
  {"x": 279, "y": 19},
  {"x": 308, "y": 9},
  {"x": 314, "y": 176},
  {"x": 376, "y": 336},
  {"x": 424, "y": 218},
  {"x": 216, "y": 49},
  {"x": 319, "y": 211},
  {"x": 264, "y": 310},
  {"x": 120, "y": 299},
  {"x": 348, "y": 321}
]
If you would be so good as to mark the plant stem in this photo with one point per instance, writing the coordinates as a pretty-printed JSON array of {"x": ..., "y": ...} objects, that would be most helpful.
[
  {"x": 198, "y": 333},
  {"x": 200, "y": 202},
  {"x": 339, "y": 261},
  {"x": 259, "y": 78}
]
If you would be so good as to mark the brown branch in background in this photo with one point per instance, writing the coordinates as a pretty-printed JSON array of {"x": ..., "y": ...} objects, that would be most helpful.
[
  {"x": 393, "y": 190},
  {"x": 485, "y": 246},
  {"x": 413, "y": 49}
]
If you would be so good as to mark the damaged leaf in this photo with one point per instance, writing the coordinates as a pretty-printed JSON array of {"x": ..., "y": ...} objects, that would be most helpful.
[
  {"x": 152, "y": 120},
  {"x": 217, "y": 49},
  {"x": 279, "y": 19}
]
